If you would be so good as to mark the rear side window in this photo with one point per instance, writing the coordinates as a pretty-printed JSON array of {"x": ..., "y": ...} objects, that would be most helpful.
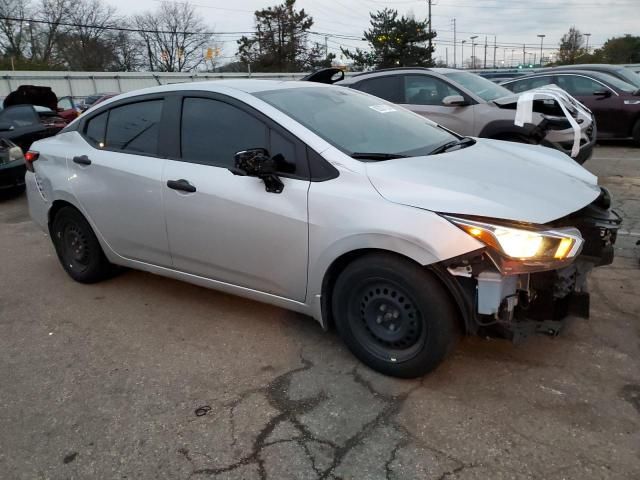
[
  {"x": 529, "y": 83},
  {"x": 213, "y": 131},
  {"x": 134, "y": 128},
  {"x": 96, "y": 128},
  {"x": 390, "y": 88}
]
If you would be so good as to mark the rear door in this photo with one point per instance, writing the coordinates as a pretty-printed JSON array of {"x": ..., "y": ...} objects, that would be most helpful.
[
  {"x": 227, "y": 227},
  {"x": 424, "y": 94},
  {"x": 116, "y": 174}
]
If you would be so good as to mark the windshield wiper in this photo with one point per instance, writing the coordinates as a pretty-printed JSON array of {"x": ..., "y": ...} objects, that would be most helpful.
[
  {"x": 464, "y": 142},
  {"x": 376, "y": 156}
]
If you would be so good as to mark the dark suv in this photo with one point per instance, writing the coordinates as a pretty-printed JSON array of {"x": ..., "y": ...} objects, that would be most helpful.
[{"x": 614, "y": 103}]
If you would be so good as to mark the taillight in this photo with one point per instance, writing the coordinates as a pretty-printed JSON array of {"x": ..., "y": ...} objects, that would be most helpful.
[{"x": 29, "y": 158}]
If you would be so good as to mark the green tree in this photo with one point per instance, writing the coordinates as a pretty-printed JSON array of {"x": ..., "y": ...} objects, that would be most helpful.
[
  {"x": 281, "y": 41},
  {"x": 394, "y": 42},
  {"x": 571, "y": 47},
  {"x": 624, "y": 49}
]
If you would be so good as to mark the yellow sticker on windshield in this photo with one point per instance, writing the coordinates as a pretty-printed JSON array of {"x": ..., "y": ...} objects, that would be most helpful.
[{"x": 382, "y": 108}]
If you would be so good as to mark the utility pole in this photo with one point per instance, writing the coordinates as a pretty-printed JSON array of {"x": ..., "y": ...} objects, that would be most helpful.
[
  {"x": 587, "y": 35},
  {"x": 326, "y": 47},
  {"x": 495, "y": 48},
  {"x": 455, "y": 45},
  {"x": 429, "y": 4},
  {"x": 541, "y": 40},
  {"x": 485, "y": 52},
  {"x": 446, "y": 56},
  {"x": 473, "y": 51},
  {"x": 524, "y": 54},
  {"x": 462, "y": 42}
]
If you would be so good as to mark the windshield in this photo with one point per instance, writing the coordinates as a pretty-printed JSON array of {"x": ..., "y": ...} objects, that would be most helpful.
[
  {"x": 485, "y": 89},
  {"x": 616, "y": 82},
  {"x": 629, "y": 76},
  {"x": 355, "y": 122}
]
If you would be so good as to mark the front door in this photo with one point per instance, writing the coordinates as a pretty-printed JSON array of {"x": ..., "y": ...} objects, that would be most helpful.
[
  {"x": 116, "y": 175},
  {"x": 603, "y": 102},
  {"x": 228, "y": 227}
]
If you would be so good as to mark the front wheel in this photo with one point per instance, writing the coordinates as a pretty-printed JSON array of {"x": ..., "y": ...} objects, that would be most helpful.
[
  {"x": 394, "y": 315},
  {"x": 78, "y": 248}
]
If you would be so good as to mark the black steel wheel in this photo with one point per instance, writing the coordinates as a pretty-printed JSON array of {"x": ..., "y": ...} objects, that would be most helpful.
[
  {"x": 78, "y": 248},
  {"x": 394, "y": 315},
  {"x": 386, "y": 320}
]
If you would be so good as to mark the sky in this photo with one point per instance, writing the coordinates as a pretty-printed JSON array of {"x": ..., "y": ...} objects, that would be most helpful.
[{"x": 511, "y": 23}]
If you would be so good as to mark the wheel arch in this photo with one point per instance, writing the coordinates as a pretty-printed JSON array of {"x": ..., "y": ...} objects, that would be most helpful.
[{"x": 340, "y": 263}]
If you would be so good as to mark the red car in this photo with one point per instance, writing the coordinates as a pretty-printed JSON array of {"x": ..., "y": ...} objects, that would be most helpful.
[{"x": 614, "y": 102}]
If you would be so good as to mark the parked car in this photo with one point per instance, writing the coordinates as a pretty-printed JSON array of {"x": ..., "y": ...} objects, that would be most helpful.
[
  {"x": 614, "y": 103},
  {"x": 24, "y": 124},
  {"x": 330, "y": 202},
  {"x": 69, "y": 107},
  {"x": 618, "y": 71},
  {"x": 92, "y": 99},
  {"x": 469, "y": 105},
  {"x": 12, "y": 167}
]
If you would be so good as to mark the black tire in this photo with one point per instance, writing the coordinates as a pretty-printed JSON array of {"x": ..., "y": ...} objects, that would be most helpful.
[
  {"x": 635, "y": 133},
  {"x": 78, "y": 248},
  {"x": 394, "y": 315}
]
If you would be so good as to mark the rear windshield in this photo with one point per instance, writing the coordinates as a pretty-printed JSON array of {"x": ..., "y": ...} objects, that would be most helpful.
[
  {"x": 353, "y": 121},
  {"x": 485, "y": 89}
]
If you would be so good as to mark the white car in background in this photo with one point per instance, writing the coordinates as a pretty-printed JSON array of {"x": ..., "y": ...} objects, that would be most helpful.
[{"x": 330, "y": 202}]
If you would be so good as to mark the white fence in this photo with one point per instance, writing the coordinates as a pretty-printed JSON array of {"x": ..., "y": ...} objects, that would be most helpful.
[{"x": 87, "y": 83}]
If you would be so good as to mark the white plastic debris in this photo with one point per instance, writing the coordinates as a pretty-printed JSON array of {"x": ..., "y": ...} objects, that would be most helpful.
[{"x": 524, "y": 111}]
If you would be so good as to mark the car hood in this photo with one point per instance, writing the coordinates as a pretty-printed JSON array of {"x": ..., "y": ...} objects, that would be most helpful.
[{"x": 511, "y": 181}]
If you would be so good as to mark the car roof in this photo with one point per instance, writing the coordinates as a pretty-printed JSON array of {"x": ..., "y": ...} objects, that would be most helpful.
[{"x": 588, "y": 66}]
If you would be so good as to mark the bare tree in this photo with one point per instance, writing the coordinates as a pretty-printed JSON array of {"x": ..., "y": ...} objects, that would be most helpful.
[
  {"x": 43, "y": 36},
  {"x": 174, "y": 36},
  {"x": 13, "y": 35},
  {"x": 88, "y": 44}
]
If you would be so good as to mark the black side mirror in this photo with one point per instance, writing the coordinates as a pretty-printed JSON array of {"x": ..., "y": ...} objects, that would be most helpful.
[
  {"x": 606, "y": 93},
  {"x": 6, "y": 127},
  {"x": 256, "y": 162}
]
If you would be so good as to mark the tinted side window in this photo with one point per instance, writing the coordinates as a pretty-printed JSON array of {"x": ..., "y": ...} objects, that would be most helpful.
[
  {"x": 134, "y": 127},
  {"x": 529, "y": 83},
  {"x": 389, "y": 88},
  {"x": 213, "y": 131},
  {"x": 427, "y": 90},
  {"x": 20, "y": 116},
  {"x": 580, "y": 86},
  {"x": 96, "y": 128}
]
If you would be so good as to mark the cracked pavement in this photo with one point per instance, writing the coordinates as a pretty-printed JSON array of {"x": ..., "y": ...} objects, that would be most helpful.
[{"x": 103, "y": 381}]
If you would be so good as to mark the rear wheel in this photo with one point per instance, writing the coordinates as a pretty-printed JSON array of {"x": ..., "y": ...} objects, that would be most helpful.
[
  {"x": 395, "y": 316},
  {"x": 78, "y": 248}
]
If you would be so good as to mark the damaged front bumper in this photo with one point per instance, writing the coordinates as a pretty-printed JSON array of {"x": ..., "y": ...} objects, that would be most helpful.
[{"x": 518, "y": 305}]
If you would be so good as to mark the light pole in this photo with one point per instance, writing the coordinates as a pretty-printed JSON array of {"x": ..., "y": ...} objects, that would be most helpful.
[
  {"x": 587, "y": 35},
  {"x": 473, "y": 51},
  {"x": 541, "y": 36},
  {"x": 512, "y": 52},
  {"x": 462, "y": 42}
]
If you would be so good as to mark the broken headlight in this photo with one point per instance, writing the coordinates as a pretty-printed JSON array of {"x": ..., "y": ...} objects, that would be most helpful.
[{"x": 523, "y": 248}]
